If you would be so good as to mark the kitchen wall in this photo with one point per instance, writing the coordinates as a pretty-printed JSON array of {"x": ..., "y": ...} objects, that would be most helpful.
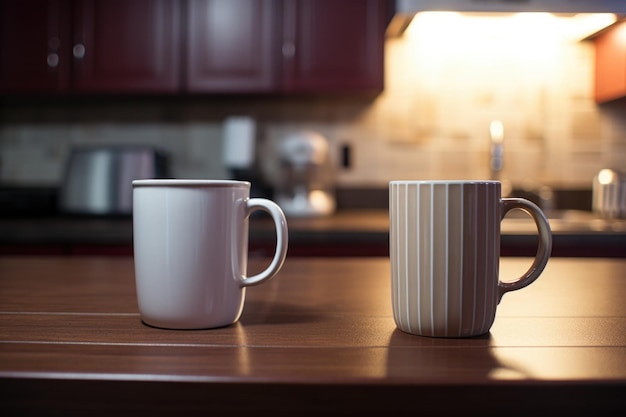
[{"x": 432, "y": 120}]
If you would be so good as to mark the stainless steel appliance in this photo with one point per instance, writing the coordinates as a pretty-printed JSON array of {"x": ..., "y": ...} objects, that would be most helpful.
[
  {"x": 609, "y": 194},
  {"x": 97, "y": 179},
  {"x": 551, "y": 6},
  {"x": 404, "y": 10},
  {"x": 306, "y": 179}
]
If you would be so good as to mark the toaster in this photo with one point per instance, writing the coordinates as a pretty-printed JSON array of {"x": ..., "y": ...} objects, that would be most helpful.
[{"x": 98, "y": 179}]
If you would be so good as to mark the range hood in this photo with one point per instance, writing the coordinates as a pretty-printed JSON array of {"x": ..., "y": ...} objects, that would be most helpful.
[
  {"x": 551, "y": 6},
  {"x": 406, "y": 9}
]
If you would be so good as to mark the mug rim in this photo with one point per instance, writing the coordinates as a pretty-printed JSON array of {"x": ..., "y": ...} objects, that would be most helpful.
[
  {"x": 172, "y": 182},
  {"x": 456, "y": 182}
]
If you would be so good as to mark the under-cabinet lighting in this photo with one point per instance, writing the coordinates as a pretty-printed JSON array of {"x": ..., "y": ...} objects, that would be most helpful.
[{"x": 477, "y": 27}]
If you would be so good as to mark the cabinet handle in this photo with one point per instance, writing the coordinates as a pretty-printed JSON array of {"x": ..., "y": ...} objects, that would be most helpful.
[
  {"x": 289, "y": 49},
  {"x": 53, "y": 60},
  {"x": 79, "y": 51}
]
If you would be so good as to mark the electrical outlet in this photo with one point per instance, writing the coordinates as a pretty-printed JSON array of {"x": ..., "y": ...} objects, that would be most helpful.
[{"x": 346, "y": 156}]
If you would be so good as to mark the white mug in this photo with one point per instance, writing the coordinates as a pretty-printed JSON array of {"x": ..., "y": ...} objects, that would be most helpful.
[
  {"x": 190, "y": 249},
  {"x": 444, "y": 241}
]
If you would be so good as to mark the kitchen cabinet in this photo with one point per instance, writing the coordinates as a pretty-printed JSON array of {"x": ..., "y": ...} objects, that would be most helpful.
[
  {"x": 610, "y": 63},
  {"x": 333, "y": 45},
  {"x": 320, "y": 46},
  {"x": 89, "y": 46},
  {"x": 128, "y": 45},
  {"x": 192, "y": 46},
  {"x": 34, "y": 45},
  {"x": 230, "y": 46}
]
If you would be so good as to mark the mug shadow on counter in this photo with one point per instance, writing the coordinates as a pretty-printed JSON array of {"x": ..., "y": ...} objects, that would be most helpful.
[
  {"x": 411, "y": 355},
  {"x": 276, "y": 312}
]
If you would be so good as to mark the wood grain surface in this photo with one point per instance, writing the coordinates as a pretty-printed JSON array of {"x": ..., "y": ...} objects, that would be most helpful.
[{"x": 319, "y": 337}]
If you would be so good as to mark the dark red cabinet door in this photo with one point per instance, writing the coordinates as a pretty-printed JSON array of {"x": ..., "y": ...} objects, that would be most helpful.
[
  {"x": 218, "y": 46},
  {"x": 126, "y": 46},
  {"x": 34, "y": 39},
  {"x": 231, "y": 46},
  {"x": 331, "y": 45}
]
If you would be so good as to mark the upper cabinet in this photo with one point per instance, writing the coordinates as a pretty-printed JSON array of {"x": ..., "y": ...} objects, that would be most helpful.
[
  {"x": 34, "y": 45},
  {"x": 610, "y": 75},
  {"x": 130, "y": 45},
  {"x": 230, "y": 46},
  {"x": 191, "y": 46},
  {"x": 89, "y": 46},
  {"x": 333, "y": 45}
]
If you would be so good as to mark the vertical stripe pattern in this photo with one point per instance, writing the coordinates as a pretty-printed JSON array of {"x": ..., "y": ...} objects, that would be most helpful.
[{"x": 444, "y": 252}]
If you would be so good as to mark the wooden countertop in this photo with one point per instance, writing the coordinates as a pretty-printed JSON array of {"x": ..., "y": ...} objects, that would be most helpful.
[{"x": 317, "y": 338}]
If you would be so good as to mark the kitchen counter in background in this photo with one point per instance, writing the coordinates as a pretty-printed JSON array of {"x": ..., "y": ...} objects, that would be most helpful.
[{"x": 346, "y": 233}]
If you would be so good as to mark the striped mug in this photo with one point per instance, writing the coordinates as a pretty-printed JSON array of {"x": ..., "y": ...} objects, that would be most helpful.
[{"x": 444, "y": 248}]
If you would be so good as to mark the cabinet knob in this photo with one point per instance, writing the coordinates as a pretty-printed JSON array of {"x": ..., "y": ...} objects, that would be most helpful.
[
  {"x": 53, "y": 60},
  {"x": 289, "y": 49},
  {"x": 79, "y": 51}
]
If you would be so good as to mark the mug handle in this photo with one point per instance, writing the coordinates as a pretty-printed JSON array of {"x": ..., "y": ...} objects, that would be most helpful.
[
  {"x": 543, "y": 251},
  {"x": 280, "y": 253}
]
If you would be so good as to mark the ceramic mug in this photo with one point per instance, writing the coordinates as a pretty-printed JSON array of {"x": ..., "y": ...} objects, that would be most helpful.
[
  {"x": 190, "y": 250},
  {"x": 444, "y": 240}
]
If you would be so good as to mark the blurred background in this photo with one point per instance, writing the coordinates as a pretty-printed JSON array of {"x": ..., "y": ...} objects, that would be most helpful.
[
  {"x": 403, "y": 89},
  {"x": 428, "y": 115}
]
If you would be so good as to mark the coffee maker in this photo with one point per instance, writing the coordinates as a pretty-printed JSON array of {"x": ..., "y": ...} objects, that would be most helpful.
[
  {"x": 239, "y": 152},
  {"x": 305, "y": 185}
]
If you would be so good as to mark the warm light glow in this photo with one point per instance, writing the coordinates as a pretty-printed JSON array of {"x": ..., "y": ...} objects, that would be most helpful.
[
  {"x": 621, "y": 33},
  {"x": 453, "y": 73},
  {"x": 496, "y": 129},
  {"x": 606, "y": 176},
  {"x": 467, "y": 27},
  {"x": 586, "y": 24}
]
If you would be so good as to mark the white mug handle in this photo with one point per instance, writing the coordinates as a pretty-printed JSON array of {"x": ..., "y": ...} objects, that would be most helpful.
[
  {"x": 280, "y": 253},
  {"x": 543, "y": 250}
]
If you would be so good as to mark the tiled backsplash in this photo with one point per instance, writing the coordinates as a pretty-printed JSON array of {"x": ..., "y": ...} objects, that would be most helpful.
[{"x": 432, "y": 121}]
